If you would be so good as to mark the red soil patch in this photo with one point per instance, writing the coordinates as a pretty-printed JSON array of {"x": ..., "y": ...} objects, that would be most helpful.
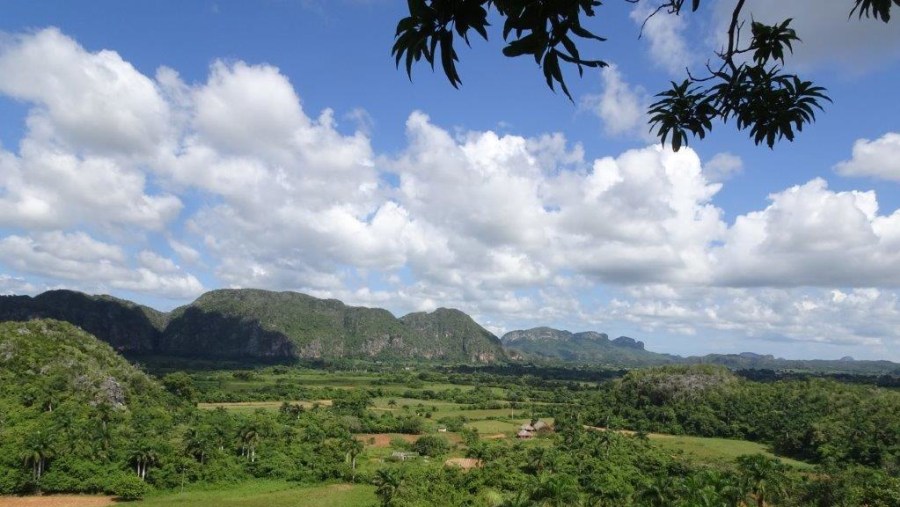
[
  {"x": 464, "y": 463},
  {"x": 56, "y": 501},
  {"x": 380, "y": 439}
]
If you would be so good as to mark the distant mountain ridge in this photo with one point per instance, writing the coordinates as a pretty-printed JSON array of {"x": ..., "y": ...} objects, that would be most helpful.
[
  {"x": 588, "y": 347},
  {"x": 258, "y": 324},
  {"x": 591, "y": 347}
]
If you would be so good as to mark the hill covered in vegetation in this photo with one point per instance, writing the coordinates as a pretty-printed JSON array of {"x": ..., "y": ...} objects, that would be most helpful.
[
  {"x": 588, "y": 347},
  {"x": 249, "y": 323},
  {"x": 72, "y": 410}
]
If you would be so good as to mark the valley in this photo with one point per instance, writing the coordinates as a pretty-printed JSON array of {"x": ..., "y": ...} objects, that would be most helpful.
[{"x": 79, "y": 418}]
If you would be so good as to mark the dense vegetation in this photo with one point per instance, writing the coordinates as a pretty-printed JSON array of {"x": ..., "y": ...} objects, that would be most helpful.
[
  {"x": 76, "y": 417},
  {"x": 249, "y": 323}
]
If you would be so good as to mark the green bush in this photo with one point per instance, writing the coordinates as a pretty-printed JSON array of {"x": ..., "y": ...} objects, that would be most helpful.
[
  {"x": 431, "y": 445},
  {"x": 129, "y": 487}
]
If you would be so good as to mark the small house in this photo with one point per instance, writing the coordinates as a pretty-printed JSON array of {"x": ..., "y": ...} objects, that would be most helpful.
[{"x": 524, "y": 434}]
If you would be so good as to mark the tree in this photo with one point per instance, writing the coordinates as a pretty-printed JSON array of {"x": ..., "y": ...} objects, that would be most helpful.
[
  {"x": 143, "y": 456},
  {"x": 555, "y": 490},
  {"x": 388, "y": 482},
  {"x": 354, "y": 448},
  {"x": 757, "y": 93},
  {"x": 764, "y": 477},
  {"x": 249, "y": 437},
  {"x": 38, "y": 451},
  {"x": 431, "y": 445}
]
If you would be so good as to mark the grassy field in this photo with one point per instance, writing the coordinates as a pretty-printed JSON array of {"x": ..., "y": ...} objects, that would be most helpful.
[
  {"x": 488, "y": 422},
  {"x": 250, "y": 406},
  {"x": 716, "y": 449},
  {"x": 270, "y": 494}
]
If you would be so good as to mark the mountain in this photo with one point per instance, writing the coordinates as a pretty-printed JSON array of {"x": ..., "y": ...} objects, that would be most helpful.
[
  {"x": 751, "y": 361},
  {"x": 585, "y": 347},
  {"x": 258, "y": 324},
  {"x": 463, "y": 336}
]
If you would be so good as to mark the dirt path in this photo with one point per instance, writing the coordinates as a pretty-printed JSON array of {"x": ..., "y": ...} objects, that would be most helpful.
[{"x": 56, "y": 501}]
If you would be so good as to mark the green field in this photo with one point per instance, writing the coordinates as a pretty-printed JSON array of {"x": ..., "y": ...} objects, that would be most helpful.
[
  {"x": 270, "y": 494},
  {"x": 717, "y": 449}
]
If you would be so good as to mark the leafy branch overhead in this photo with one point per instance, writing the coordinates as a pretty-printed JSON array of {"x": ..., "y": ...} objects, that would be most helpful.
[{"x": 747, "y": 84}]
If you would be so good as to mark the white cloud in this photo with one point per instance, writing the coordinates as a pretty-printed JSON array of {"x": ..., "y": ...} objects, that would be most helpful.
[
  {"x": 79, "y": 258},
  {"x": 93, "y": 120},
  {"x": 877, "y": 159},
  {"x": 812, "y": 236},
  {"x": 665, "y": 33},
  {"x": 861, "y": 316},
  {"x": 621, "y": 107},
  {"x": 90, "y": 102},
  {"x": 257, "y": 192},
  {"x": 722, "y": 167}
]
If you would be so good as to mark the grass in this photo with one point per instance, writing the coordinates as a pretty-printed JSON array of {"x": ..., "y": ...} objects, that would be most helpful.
[
  {"x": 250, "y": 406},
  {"x": 717, "y": 449},
  {"x": 269, "y": 494}
]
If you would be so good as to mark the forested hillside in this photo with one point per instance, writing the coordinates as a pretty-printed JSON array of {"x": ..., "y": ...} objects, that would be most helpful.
[
  {"x": 256, "y": 324},
  {"x": 589, "y": 347},
  {"x": 72, "y": 411}
]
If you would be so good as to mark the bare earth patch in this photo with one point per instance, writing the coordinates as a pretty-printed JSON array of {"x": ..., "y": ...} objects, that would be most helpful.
[
  {"x": 56, "y": 501},
  {"x": 381, "y": 439},
  {"x": 464, "y": 463},
  {"x": 495, "y": 436}
]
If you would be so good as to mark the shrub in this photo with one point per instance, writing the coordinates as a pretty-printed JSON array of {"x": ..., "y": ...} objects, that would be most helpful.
[{"x": 129, "y": 487}]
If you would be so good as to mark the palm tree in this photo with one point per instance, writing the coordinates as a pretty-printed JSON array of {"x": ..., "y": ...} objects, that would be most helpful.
[
  {"x": 762, "y": 477},
  {"x": 521, "y": 499},
  {"x": 555, "y": 490},
  {"x": 195, "y": 445},
  {"x": 37, "y": 454},
  {"x": 249, "y": 440},
  {"x": 143, "y": 456},
  {"x": 388, "y": 482},
  {"x": 660, "y": 492},
  {"x": 354, "y": 448},
  {"x": 537, "y": 459}
]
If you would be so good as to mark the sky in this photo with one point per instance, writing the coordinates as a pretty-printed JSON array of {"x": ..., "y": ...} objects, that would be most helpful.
[{"x": 155, "y": 150}]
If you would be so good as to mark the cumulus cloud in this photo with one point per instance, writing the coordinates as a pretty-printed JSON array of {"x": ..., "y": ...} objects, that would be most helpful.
[
  {"x": 862, "y": 316},
  {"x": 665, "y": 33},
  {"x": 233, "y": 178},
  {"x": 94, "y": 119},
  {"x": 621, "y": 107},
  {"x": 90, "y": 102},
  {"x": 812, "y": 236},
  {"x": 722, "y": 166},
  {"x": 877, "y": 159},
  {"x": 79, "y": 258}
]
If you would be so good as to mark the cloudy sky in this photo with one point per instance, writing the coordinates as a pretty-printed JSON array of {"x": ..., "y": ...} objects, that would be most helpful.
[{"x": 156, "y": 150}]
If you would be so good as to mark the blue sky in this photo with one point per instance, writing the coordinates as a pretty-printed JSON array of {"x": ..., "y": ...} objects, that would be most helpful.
[{"x": 155, "y": 150}]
